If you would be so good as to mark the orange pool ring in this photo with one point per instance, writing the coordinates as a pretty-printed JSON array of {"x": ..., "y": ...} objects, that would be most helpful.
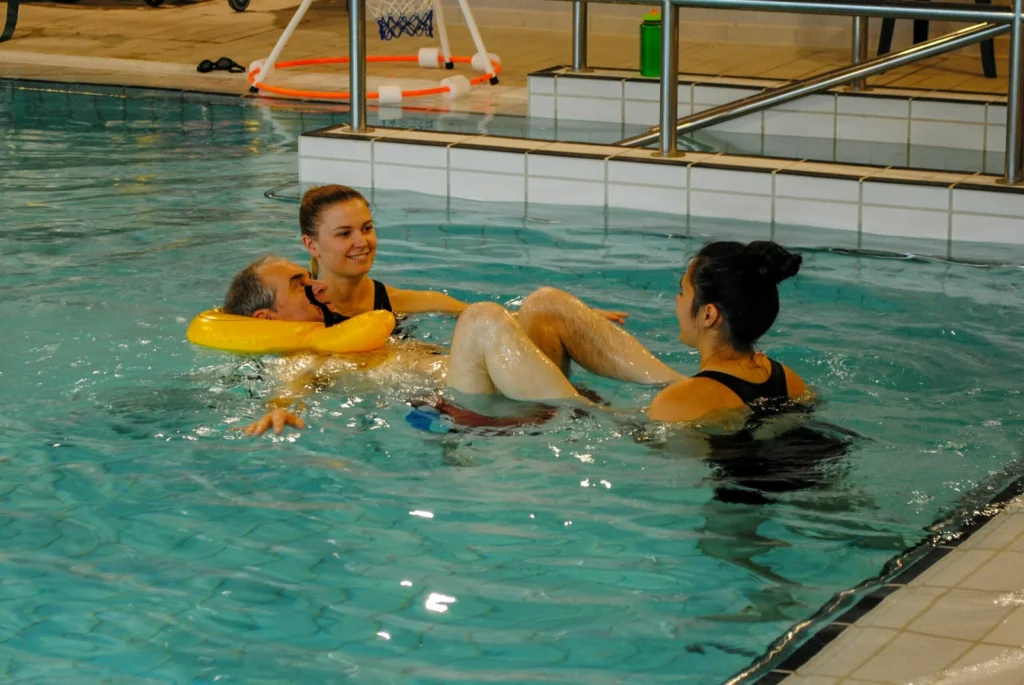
[{"x": 491, "y": 76}]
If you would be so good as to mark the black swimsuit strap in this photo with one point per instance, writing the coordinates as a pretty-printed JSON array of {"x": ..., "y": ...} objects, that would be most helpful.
[
  {"x": 750, "y": 393},
  {"x": 380, "y": 300},
  {"x": 380, "y": 297}
]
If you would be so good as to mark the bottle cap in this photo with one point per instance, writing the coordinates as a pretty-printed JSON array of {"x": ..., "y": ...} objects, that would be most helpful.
[{"x": 653, "y": 15}]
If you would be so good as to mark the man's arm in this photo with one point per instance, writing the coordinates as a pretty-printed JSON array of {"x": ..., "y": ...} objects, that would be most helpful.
[{"x": 299, "y": 376}]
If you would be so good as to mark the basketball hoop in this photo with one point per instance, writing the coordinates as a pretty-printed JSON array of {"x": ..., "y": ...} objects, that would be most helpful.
[{"x": 395, "y": 19}]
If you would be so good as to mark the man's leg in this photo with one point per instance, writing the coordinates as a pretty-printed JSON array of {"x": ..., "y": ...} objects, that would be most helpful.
[
  {"x": 492, "y": 353},
  {"x": 566, "y": 329}
]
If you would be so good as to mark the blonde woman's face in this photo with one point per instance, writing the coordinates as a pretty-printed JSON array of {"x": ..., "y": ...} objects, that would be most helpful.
[{"x": 346, "y": 241}]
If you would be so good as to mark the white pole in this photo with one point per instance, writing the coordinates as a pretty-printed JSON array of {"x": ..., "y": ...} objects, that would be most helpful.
[
  {"x": 442, "y": 32},
  {"x": 268, "y": 66},
  {"x": 475, "y": 32}
]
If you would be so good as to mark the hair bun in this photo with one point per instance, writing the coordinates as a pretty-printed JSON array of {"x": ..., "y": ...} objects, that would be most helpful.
[{"x": 777, "y": 263}]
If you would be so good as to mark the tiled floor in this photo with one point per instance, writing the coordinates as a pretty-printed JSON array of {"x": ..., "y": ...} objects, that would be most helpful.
[
  {"x": 960, "y": 621},
  {"x": 166, "y": 43}
]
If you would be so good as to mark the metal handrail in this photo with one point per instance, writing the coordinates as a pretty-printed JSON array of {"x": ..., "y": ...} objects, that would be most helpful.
[
  {"x": 897, "y": 9},
  {"x": 1011, "y": 17},
  {"x": 826, "y": 81}
]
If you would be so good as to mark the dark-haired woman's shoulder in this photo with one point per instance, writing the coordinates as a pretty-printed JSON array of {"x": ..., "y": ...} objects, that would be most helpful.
[
  {"x": 795, "y": 385},
  {"x": 691, "y": 399}
]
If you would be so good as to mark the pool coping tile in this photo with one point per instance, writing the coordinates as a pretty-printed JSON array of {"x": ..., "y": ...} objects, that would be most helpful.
[{"x": 838, "y": 614}]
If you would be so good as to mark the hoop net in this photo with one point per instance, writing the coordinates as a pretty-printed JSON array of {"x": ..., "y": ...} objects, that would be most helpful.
[{"x": 397, "y": 18}]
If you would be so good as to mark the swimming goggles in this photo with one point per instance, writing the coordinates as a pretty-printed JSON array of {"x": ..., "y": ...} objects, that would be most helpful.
[{"x": 223, "y": 64}]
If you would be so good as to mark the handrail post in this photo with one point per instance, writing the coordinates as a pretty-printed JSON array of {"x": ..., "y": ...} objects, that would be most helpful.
[
  {"x": 580, "y": 12},
  {"x": 1014, "y": 112},
  {"x": 357, "y": 65},
  {"x": 860, "y": 48},
  {"x": 670, "y": 76}
]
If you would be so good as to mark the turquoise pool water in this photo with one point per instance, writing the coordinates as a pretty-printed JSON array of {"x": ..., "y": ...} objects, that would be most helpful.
[{"x": 143, "y": 542}]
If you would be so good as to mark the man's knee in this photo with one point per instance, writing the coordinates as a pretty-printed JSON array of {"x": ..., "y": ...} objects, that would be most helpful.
[
  {"x": 545, "y": 299},
  {"x": 482, "y": 314}
]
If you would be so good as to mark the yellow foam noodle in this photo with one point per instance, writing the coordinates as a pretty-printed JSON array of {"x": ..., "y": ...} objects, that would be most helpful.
[{"x": 214, "y": 328}]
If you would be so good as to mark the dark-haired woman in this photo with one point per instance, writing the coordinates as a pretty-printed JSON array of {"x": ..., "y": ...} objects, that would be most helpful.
[
  {"x": 758, "y": 454},
  {"x": 728, "y": 298}
]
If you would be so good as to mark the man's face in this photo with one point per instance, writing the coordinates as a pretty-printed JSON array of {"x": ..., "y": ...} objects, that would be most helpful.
[{"x": 288, "y": 282}]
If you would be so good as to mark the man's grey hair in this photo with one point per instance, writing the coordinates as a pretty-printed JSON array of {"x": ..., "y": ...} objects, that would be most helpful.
[{"x": 248, "y": 293}]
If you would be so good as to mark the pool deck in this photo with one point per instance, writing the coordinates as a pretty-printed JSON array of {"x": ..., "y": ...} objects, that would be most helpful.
[
  {"x": 960, "y": 621},
  {"x": 957, "y": 617},
  {"x": 125, "y": 42}
]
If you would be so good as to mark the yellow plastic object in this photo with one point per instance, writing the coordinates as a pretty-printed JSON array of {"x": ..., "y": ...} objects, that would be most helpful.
[{"x": 214, "y": 328}]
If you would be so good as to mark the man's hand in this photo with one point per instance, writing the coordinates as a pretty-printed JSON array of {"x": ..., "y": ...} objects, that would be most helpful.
[
  {"x": 278, "y": 418},
  {"x": 614, "y": 317}
]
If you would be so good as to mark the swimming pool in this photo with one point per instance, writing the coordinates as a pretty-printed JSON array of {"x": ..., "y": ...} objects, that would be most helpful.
[{"x": 145, "y": 543}]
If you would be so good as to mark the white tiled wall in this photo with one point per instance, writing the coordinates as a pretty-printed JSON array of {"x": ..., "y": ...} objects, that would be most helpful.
[
  {"x": 797, "y": 212},
  {"x": 862, "y": 117},
  {"x": 653, "y": 187},
  {"x": 995, "y": 133},
  {"x": 910, "y": 223},
  {"x": 316, "y": 170},
  {"x": 560, "y": 180},
  {"x": 728, "y": 206},
  {"x": 569, "y": 108},
  {"x": 873, "y": 129},
  {"x": 814, "y": 188},
  {"x": 430, "y": 181},
  {"x": 648, "y": 198},
  {"x": 330, "y": 160},
  {"x": 865, "y": 201},
  {"x": 895, "y": 108},
  {"x": 473, "y": 185},
  {"x": 511, "y": 162},
  {"x": 825, "y": 202},
  {"x": 948, "y": 134},
  {"x": 487, "y": 175},
  {"x": 751, "y": 124},
  {"x": 731, "y": 182},
  {"x": 799, "y": 124},
  {"x": 542, "y": 106}
]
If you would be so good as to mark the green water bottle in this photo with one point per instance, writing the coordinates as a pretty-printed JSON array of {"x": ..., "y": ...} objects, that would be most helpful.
[{"x": 650, "y": 44}]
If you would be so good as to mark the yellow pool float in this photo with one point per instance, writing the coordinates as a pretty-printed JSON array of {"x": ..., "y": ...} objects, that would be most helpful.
[{"x": 362, "y": 333}]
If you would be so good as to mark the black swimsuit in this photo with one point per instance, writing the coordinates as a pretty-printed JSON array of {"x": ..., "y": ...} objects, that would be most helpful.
[
  {"x": 381, "y": 301},
  {"x": 749, "y": 470},
  {"x": 754, "y": 395}
]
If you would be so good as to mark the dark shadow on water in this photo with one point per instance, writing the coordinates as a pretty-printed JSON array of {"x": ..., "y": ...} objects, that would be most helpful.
[{"x": 771, "y": 461}]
